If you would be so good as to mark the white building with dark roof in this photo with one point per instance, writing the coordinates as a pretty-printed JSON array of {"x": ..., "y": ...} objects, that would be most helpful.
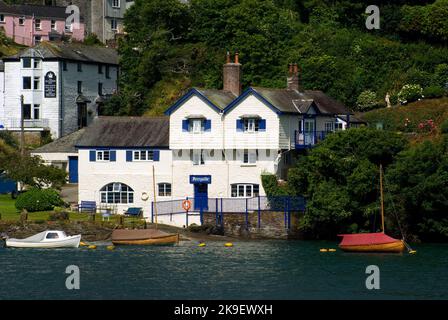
[{"x": 63, "y": 87}]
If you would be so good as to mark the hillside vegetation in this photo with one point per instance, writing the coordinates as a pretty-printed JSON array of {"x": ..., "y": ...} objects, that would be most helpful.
[{"x": 171, "y": 46}]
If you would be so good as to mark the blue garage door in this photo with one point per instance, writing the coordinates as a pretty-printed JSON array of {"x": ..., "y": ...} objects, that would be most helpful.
[{"x": 73, "y": 169}]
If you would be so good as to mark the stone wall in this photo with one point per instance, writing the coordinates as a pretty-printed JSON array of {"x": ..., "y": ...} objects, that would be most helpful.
[{"x": 272, "y": 225}]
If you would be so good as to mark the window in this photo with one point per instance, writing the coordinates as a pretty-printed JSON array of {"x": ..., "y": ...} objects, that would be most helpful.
[
  {"x": 249, "y": 156},
  {"x": 197, "y": 157},
  {"x": 36, "y": 83},
  {"x": 117, "y": 193},
  {"x": 37, "y": 24},
  {"x": 37, "y": 39},
  {"x": 36, "y": 63},
  {"x": 53, "y": 24},
  {"x": 250, "y": 125},
  {"x": 328, "y": 126},
  {"x": 27, "y": 111},
  {"x": 338, "y": 126},
  {"x": 196, "y": 125},
  {"x": 115, "y": 3},
  {"x": 26, "y": 63},
  {"x": 52, "y": 235},
  {"x": 144, "y": 155},
  {"x": 103, "y": 155},
  {"x": 79, "y": 67},
  {"x": 2, "y": 18},
  {"x": 21, "y": 21},
  {"x": 113, "y": 24},
  {"x": 244, "y": 190},
  {"x": 164, "y": 189},
  {"x": 36, "y": 110},
  {"x": 26, "y": 82},
  {"x": 100, "y": 69},
  {"x": 107, "y": 72},
  {"x": 64, "y": 65},
  {"x": 79, "y": 87},
  {"x": 100, "y": 89}
]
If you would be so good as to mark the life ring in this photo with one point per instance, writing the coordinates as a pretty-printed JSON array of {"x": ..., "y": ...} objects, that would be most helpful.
[{"x": 186, "y": 205}]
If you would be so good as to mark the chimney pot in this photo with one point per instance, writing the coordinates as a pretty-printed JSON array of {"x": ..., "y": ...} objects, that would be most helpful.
[
  {"x": 228, "y": 57},
  {"x": 237, "y": 59},
  {"x": 292, "y": 82}
]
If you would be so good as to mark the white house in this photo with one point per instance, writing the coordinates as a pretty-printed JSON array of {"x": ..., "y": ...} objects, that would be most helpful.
[
  {"x": 63, "y": 87},
  {"x": 211, "y": 144}
]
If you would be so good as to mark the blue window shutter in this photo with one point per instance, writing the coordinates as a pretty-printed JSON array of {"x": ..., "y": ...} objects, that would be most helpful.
[
  {"x": 113, "y": 155},
  {"x": 185, "y": 125},
  {"x": 239, "y": 125},
  {"x": 207, "y": 125},
  {"x": 156, "y": 156},
  {"x": 128, "y": 156},
  {"x": 92, "y": 155},
  {"x": 262, "y": 125}
]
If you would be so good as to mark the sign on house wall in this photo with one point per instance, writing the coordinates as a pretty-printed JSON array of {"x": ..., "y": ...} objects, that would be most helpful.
[{"x": 50, "y": 85}]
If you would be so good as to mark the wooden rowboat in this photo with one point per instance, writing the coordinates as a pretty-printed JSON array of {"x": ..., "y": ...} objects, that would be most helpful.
[
  {"x": 143, "y": 237},
  {"x": 371, "y": 242}
]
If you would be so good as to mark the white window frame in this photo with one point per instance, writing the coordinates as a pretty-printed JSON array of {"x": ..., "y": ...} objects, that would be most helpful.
[
  {"x": 2, "y": 18},
  {"x": 114, "y": 24},
  {"x": 116, "y": 3},
  {"x": 101, "y": 155},
  {"x": 36, "y": 80},
  {"x": 23, "y": 63},
  {"x": 251, "y": 125},
  {"x": 164, "y": 189},
  {"x": 338, "y": 126},
  {"x": 247, "y": 190},
  {"x": 22, "y": 21},
  {"x": 329, "y": 126},
  {"x": 143, "y": 155},
  {"x": 38, "y": 25},
  {"x": 117, "y": 191},
  {"x": 196, "y": 125},
  {"x": 198, "y": 157},
  {"x": 36, "y": 63},
  {"x": 31, "y": 83},
  {"x": 250, "y": 157},
  {"x": 37, "y": 39},
  {"x": 36, "y": 107}
]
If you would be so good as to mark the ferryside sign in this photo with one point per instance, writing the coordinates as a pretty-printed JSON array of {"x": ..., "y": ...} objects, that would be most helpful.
[{"x": 201, "y": 179}]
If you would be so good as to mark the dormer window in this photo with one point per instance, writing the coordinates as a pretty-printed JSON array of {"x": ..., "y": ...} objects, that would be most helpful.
[
  {"x": 250, "y": 123},
  {"x": 196, "y": 124}
]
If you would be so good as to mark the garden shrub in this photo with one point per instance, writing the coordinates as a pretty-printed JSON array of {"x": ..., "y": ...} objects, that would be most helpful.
[
  {"x": 444, "y": 127},
  {"x": 38, "y": 200},
  {"x": 433, "y": 92},
  {"x": 410, "y": 93},
  {"x": 366, "y": 100}
]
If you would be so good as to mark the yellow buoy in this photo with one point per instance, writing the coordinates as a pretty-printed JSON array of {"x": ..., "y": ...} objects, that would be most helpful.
[
  {"x": 412, "y": 252},
  {"x": 332, "y": 250},
  {"x": 323, "y": 250},
  {"x": 92, "y": 247},
  {"x": 83, "y": 244},
  {"x": 110, "y": 247},
  {"x": 228, "y": 244},
  {"x": 202, "y": 244}
]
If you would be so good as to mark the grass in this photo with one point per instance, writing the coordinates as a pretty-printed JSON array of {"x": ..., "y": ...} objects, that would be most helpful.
[{"x": 9, "y": 212}]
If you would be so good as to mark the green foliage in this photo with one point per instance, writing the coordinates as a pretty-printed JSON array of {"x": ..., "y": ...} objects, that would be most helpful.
[
  {"x": 433, "y": 92},
  {"x": 410, "y": 93},
  {"x": 92, "y": 40},
  {"x": 444, "y": 127},
  {"x": 340, "y": 178},
  {"x": 366, "y": 100},
  {"x": 58, "y": 214},
  {"x": 38, "y": 200},
  {"x": 271, "y": 186}
]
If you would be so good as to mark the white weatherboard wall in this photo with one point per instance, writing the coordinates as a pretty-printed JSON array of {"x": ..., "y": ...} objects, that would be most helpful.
[
  {"x": 138, "y": 175},
  {"x": 58, "y": 159}
]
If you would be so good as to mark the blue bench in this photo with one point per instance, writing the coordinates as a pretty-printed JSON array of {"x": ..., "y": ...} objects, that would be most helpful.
[
  {"x": 87, "y": 206},
  {"x": 134, "y": 212}
]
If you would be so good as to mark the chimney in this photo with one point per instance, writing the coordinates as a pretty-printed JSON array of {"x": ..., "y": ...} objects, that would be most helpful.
[
  {"x": 293, "y": 77},
  {"x": 232, "y": 75}
]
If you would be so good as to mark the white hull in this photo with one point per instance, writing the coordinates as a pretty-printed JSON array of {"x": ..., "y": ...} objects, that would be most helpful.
[{"x": 68, "y": 242}]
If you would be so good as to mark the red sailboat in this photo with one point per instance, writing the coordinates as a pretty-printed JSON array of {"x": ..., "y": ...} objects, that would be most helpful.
[{"x": 372, "y": 242}]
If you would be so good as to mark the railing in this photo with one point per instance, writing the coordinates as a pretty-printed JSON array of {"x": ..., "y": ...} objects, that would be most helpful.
[
  {"x": 307, "y": 139},
  {"x": 28, "y": 123}
]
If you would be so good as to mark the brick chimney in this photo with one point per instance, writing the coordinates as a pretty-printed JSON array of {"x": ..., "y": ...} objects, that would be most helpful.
[
  {"x": 232, "y": 72},
  {"x": 293, "y": 82}
]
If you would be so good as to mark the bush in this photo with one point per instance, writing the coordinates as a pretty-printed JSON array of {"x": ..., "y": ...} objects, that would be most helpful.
[
  {"x": 38, "y": 200},
  {"x": 433, "y": 92},
  {"x": 444, "y": 127},
  {"x": 366, "y": 100},
  {"x": 410, "y": 93},
  {"x": 58, "y": 214}
]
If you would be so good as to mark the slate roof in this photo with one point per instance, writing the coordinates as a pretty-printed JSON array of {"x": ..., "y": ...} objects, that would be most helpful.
[
  {"x": 219, "y": 98},
  {"x": 353, "y": 119},
  {"x": 65, "y": 144},
  {"x": 126, "y": 132},
  {"x": 36, "y": 10},
  {"x": 292, "y": 101},
  {"x": 69, "y": 51}
]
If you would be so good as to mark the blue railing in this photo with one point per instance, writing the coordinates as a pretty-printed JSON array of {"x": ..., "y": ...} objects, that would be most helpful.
[{"x": 308, "y": 139}]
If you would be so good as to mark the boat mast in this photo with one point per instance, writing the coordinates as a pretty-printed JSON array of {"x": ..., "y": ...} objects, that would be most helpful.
[
  {"x": 382, "y": 199},
  {"x": 154, "y": 191}
]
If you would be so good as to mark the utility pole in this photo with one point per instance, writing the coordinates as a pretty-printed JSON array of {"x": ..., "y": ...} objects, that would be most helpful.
[{"x": 22, "y": 127}]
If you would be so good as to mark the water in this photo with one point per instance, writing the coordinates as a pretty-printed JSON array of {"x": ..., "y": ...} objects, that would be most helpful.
[{"x": 249, "y": 270}]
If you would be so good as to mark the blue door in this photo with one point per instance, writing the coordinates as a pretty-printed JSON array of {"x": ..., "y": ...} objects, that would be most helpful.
[
  {"x": 201, "y": 196},
  {"x": 73, "y": 169}
]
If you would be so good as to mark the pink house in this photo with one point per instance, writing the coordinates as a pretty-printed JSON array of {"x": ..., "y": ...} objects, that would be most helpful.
[{"x": 31, "y": 24}]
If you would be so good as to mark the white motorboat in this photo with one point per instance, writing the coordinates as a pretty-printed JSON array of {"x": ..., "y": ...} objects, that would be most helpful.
[{"x": 46, "y": 239}]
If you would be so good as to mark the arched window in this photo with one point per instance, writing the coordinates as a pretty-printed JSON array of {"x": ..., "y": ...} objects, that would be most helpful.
[{"x": 117, "y": 192}]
